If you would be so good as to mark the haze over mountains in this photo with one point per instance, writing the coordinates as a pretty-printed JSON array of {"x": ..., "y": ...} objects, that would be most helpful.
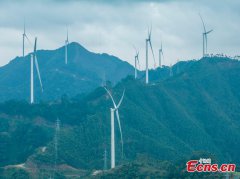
[
  {"x": 84, "y": 72},
  {"x": 196, "y": 109}
]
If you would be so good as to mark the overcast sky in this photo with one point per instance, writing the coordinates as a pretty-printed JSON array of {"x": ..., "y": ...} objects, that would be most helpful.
[{"x": 113, "y": 28}]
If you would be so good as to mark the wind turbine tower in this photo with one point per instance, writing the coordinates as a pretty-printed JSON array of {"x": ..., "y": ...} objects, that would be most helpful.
[
  {"x": 112, "y": 112},
  {"x": 34, "y": 61},
  {"x": 204, "y": 34},
  {"x": 148, "y": 41},
  {"x": 136, "y": 61},
  {"x": 160, "y": 56},
  {"x": 24, "y": 36},
  {"x": 112, "y": 139}
]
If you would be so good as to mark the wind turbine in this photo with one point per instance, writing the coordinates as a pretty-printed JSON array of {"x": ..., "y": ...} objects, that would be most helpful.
[
  {"x": 160, "y": 56},
  {"x": 113, "y": 111},
  {"x": 148, "y": 41},
  {"x": 34, "y": 61},
  {"x": 66, "y": 49},
  {"x": 24, "y": 36},
  {"x": 136, "y": 61},
  {"x": 205, "y": 34}
]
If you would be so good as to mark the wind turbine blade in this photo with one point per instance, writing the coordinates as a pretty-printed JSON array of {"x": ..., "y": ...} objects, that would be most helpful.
[
  {"x": 152, "y": 52},
  {"x": 38, "y": 72},
  {"x": 137, "y": 52},
  {"x": 114, "y": 104},
  {"x": 36, "y": 63},
  {"x": 202, "y": 23},
  {"x": 135, "y": 48},
  {"x": 120, "y": 129},
  {"x": 209, "y": 32},
  {"x": 121, "y": 99},
  {"x": 117, "y": 114},
  {"x": 138, "y": 61},
  {"x": 35, "y": 46},
  {"x": 162, "y": 55},
  {"x": 28, "y": 39},
  {"x": 206, "y": 42},
  {"x": 150, "y": 33}
]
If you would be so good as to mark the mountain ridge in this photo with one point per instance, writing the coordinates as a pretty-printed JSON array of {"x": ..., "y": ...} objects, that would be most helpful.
[
  {"x": 84, "y": 72},
  {"x": 172, "y": 118},
  {"x": 196, "y": 109}
]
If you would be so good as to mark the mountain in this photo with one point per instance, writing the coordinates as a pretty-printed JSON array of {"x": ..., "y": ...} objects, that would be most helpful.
[
  {"x": 195, "y": 110},
  {"x": 84, "y": 72}
]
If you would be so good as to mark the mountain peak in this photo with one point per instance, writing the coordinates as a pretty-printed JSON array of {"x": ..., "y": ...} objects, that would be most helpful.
[
  {"x": 84, "y": 72},
  {"x": 75, "y": 46}
]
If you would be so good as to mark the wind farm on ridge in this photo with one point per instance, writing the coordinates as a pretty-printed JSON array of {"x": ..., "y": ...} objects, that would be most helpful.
[
  {"x": 143, "y": 92},
  {"x": 114, "y": 110}
]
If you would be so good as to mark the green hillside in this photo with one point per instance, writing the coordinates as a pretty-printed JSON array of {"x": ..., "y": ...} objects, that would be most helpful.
[
  {"x": 84, "y": 72},
  {"x": 169, "y": 120}
]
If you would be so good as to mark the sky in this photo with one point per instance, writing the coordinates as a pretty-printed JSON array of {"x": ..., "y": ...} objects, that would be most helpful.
[{"x": 114, "y": 27}]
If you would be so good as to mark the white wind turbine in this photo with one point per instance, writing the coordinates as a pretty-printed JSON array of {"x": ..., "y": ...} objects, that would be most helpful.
[
  {"x": 160, "y": 56},
  {"x": 66, "y": 49},
  {"x": 136, "y": 61},
  {"x": 24, "y": 36},
  {"x": 34, "y": 61},
  {"x": 205, "y": 34},
  {"x": 113, "y": 111},
  {"x": 148, "y": 41}
]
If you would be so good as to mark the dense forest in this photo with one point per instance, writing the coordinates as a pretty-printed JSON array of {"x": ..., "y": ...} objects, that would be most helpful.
[{"x": 193, "y": 114}]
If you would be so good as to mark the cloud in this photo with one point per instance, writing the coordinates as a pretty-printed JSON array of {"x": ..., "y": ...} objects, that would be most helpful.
[{"x": 114, "y": 27}]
